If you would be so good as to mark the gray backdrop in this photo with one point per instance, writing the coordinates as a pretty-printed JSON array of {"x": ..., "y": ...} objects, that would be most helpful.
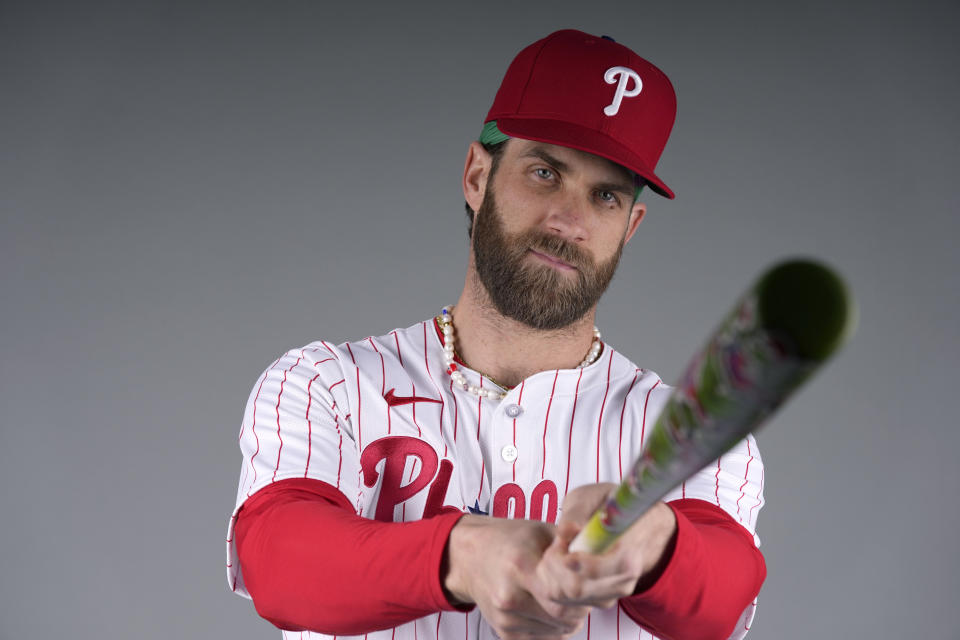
[{"x": 188, "y": 191}]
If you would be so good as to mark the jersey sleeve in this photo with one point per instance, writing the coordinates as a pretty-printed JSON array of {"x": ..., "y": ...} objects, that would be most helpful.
[
  {"x": 717, "y": 510},
  {"x": 732, "y": 482},
  {"x": 732, "y": 485},
  {"x": 296, "y": 425},
  {"x": 710, "y": 581},
  {"x": 294, "y": 535}
]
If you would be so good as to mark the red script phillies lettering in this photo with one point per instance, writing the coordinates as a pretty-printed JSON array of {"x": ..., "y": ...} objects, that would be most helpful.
[{"x": 394, "y": 451}]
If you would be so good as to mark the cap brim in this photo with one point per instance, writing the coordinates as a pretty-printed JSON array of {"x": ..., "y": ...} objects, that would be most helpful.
[{"x": 578, "y": 137}]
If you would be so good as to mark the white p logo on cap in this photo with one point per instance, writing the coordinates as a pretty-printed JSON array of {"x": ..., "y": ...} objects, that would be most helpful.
[{"x": 625, "y": 75}]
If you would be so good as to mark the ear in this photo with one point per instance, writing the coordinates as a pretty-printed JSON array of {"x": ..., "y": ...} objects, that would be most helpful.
[
  {"x": 636, "y": 216},
  {"x": 476, "y": 170}
]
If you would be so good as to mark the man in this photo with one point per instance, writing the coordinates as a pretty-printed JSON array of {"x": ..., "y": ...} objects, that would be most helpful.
[{"x": 427, "y": 483}]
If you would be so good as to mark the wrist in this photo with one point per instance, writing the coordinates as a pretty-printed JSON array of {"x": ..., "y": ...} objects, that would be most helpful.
[
  {"x": 457, "y": 553},
  {"x": 658, "y": 544}
]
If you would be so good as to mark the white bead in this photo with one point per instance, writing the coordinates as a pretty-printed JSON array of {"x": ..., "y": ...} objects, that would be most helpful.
[{"x": 449, "y": 351}]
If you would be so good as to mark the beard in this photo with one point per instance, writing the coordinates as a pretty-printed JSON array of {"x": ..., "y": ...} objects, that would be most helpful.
[{"x": 537, "y": 295}]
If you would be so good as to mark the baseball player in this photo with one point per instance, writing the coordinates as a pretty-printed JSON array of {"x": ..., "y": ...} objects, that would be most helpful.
[{"x": 426, "y": 483}]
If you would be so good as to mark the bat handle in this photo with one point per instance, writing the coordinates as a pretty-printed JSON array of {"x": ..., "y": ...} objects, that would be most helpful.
[
  {"x": 594, "y": 537},
  {"x": 580, "y": 544}
]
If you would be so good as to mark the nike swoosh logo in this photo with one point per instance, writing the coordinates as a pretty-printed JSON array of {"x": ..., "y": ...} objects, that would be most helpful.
[{"x": 394, "y": 400}]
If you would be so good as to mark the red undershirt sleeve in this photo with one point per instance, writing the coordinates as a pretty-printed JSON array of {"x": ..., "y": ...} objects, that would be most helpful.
[
  {"x": 715, "y": 571},
  {"x": 308, "y": 559}
]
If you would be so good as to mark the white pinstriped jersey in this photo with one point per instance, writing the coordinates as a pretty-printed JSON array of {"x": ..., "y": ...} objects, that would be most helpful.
[{"x": 381, "y": 420}]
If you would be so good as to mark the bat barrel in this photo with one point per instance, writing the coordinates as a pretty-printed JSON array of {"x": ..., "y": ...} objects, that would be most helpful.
[
  {"x": 807, "y": 302},
  {"x": 794, "y": 317}
]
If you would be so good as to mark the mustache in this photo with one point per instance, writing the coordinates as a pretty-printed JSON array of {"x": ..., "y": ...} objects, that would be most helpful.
[{"x": 558, "y": 247}]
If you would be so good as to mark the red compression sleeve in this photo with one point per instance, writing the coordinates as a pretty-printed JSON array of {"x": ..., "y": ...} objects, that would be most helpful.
[
  {"x": 714, "y": 573},
  {"x": 311, "y": 563}
]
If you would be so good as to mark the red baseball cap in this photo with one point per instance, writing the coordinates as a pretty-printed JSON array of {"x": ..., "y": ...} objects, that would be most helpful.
[{"x": 589, "y": 93}]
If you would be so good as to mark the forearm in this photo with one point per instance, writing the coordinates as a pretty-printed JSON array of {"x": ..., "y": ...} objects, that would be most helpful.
[
  {"x": 308, "y": 560},
  {"x": 712, "y": 574}
]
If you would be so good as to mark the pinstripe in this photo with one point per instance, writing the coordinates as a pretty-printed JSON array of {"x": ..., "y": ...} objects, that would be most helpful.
[
  {"x": 456, "y": 412},
  {"x": 344, "y": 375},
  {"x": 253, "y": 428},
  {"x": 397, "y": 340},
  {"x": 759, "y": 500},
  {"x": 383, "y": 367},
  {"x": 603, "y": 405},
  {"x": 573, "y": 415},
  {"x": 306, "y": 468},
  {"x": 717, "y": 493},
  {"x": 646, "y": 403},
  {"x": 623, "y": 409},
  {"x": 545, "y": 421},
  {"x": 277, "y": 408},
  {"x": 443, "y": 404},
  {"x": 483, "y": 463},
  {"x": 746, "y": 475},
  {"x": 513, "y": 467},
  {"x": 263, "y": 377},
  {"x": 359, "y": 400}
]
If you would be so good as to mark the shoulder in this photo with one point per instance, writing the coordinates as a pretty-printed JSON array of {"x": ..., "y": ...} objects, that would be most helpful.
[
  {"x": 325, "y": 355},
  {"x": 615, "y": 370},
  {"x": 402, "y": 344}
]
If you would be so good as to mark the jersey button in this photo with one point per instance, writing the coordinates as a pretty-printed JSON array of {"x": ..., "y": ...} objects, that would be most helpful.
[
  {"x": 514, "y": 410},
  {"x": 509, "y": 453}
]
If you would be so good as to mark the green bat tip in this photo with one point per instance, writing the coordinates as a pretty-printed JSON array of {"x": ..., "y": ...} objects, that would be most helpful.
[{"x": 810, "y": 303}]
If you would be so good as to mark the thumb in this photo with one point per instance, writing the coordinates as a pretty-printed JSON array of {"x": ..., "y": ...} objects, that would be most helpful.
[
  {"x": 566, "y": 532},
  {"x": 580, "y": 503}
]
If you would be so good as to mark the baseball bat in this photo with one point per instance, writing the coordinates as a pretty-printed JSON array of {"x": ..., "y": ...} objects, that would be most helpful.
[{"x": 780, "y": 331}]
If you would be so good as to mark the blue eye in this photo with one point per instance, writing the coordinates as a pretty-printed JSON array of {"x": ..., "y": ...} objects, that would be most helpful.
[{"x": 541, "y": 172}]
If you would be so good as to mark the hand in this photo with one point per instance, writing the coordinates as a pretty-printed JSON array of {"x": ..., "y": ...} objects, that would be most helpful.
[
  {"x": 632, "y": 562},
  {"x": 492, "y": 562}
]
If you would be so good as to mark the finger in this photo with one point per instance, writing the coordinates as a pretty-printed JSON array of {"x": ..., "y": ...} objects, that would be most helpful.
[
  {"x": 580, "y": 503},
  {"x": 523, "y": 628},
  {"x": 614, "y": 562},
  {"x": 566, "y": 532},
  {"x": 582, "y": 579},
  {"x": 542, "y": 586},
  {"x": 602, "y": 592},
  {"x": 523, "y": 613}
]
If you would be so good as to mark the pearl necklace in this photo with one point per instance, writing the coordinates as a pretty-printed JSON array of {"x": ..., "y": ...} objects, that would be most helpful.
[{"x": 446, "y": 325}]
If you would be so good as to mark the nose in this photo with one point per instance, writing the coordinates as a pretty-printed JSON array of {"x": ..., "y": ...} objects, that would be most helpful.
[{"x": 566, "y": 219}]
